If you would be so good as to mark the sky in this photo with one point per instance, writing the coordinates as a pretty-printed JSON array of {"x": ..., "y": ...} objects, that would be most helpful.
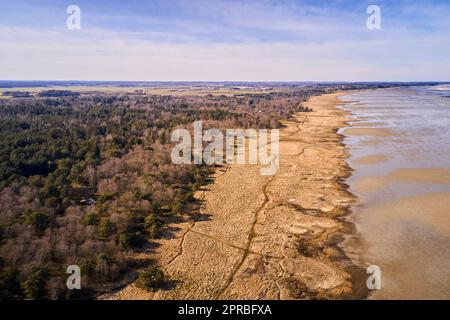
[{"x": 227, "y": 40}]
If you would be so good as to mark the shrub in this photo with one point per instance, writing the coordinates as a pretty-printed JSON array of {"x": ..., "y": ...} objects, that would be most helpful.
[
  {"x": 9, "y": 283},
  {"x": 91, "y": 219},
  {"x": 189, "y": 196},
  {"x": 176, "y": 208},
  {"x": 150, "y": 279},
  {"x": 135, "y": 229},
  {"x": 35, "y": 285},
  {"x": 87, "y": 267},
  {"x": 106, "y": 229},
  {"x": 38, "y": 219},
  {"x": 155, "y": 208},
  {"x": 153, "y": 225},
  {"x": 130, "y": 240},
  {"x": 106, "y": 197}
]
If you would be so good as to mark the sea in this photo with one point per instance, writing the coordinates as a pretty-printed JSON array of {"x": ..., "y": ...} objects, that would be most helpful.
[{"x": 398, "y": 140}]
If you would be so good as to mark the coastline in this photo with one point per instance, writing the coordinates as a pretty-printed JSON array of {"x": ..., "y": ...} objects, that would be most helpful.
[{"x": 277, "y": 237}]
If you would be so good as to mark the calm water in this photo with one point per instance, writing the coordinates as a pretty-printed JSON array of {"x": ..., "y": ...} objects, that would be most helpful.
[{"x": 399, "y": 143}]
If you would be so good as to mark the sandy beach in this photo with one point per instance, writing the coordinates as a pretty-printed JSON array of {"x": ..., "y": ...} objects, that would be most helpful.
[{"x": 268, "y": 237}]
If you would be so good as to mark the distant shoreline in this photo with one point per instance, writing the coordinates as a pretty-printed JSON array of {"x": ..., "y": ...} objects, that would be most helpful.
[{"x": 124, "y": 84}]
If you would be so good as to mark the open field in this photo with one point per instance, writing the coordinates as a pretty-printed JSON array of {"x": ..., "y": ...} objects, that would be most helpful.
[{"x": 161, "y": 90}]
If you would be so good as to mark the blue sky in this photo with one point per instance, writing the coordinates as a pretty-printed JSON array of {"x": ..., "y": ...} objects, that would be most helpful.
[{"x": 252, "y": 40}]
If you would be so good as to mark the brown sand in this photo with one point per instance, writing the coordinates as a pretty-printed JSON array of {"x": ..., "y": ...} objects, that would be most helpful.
[
  {"x": 406, "y": 175},
  {"x": 408, "y": 239},
  {"x": 371, "y": 160},
  {"x": 379, "y": 132},
  {"x": 365, "y": 123},
  {"x": 430, "y": 209},
  {"x": 267, "y": 237}
]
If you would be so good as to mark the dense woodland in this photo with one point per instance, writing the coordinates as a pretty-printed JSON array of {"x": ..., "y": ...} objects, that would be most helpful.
[{"x": 87, "y": 179}]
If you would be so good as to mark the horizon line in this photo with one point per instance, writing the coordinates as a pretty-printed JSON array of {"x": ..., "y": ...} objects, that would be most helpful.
[{"x": 230, "y": 81}]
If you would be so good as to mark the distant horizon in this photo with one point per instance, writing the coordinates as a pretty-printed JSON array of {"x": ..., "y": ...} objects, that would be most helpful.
[{"x": 220, "y": 81}]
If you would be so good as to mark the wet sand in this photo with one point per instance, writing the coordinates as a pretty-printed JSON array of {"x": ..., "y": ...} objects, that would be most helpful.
[
  {"x": 367, "y": 184},
  {"x": 379, "y": 132},
  {"x": 373, "y": 159},
  {"x": 268, "y": 237},
  {"x": 403, "y": 184},
  {"x": 412, "y": 246}
]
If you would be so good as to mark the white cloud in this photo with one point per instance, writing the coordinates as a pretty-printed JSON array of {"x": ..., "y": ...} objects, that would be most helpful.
[{"x": 327, "y": 49}]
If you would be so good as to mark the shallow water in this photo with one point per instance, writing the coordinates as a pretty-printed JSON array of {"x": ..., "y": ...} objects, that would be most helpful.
[{"x": 399, "y": 144}]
